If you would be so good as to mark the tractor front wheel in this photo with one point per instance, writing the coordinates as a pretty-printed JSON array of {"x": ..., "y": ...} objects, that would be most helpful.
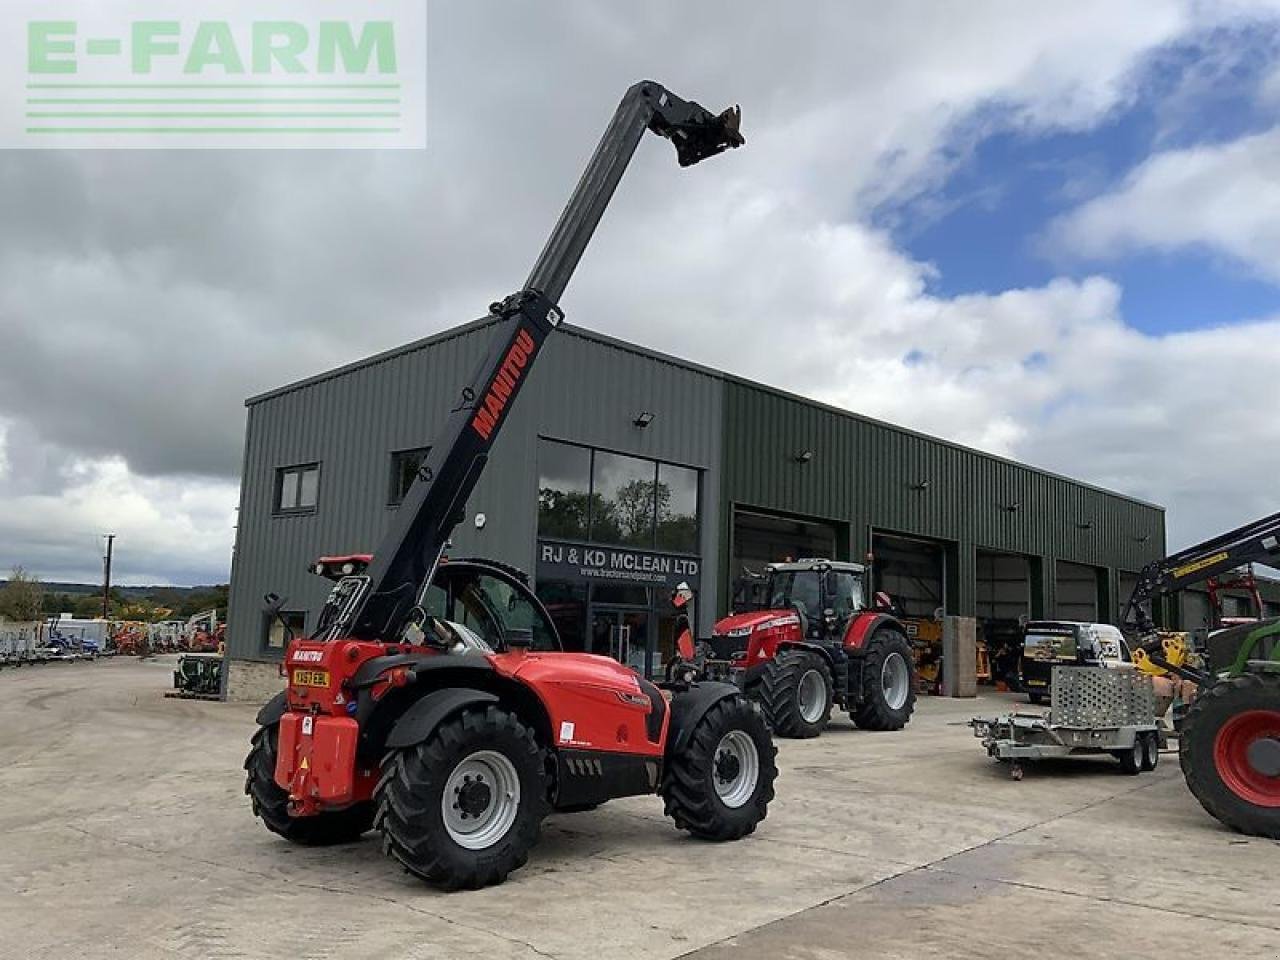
[
  {"x": 720, "y": 786},
  {"x": 271, "y": 803},
  {"x": 888, "y": 682},
  {"x": 1229, "y": 750},
  {"x": 463, "y": 808},
  {"x": 796, "y": 693}
]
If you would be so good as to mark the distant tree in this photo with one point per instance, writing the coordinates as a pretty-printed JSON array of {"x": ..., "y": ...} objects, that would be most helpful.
[
  {"x": 87, "y": 607},
  {"x": 202, "y": 599},
  {"x": 56, "y": 603},
  {"x": 22, "y": 597}
]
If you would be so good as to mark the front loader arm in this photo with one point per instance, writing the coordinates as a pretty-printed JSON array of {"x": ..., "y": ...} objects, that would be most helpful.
[{"x": 377, "y": 605}]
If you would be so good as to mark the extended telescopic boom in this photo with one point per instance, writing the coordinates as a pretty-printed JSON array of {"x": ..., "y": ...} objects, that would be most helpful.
[{"x": 378, "y": 605}]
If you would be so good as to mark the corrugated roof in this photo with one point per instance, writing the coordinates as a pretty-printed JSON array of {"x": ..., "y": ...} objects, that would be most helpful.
[{"x": 650, "y": 354}]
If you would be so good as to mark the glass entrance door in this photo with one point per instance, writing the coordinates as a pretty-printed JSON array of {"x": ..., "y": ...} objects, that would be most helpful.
[{"x": 624, "y": 635}]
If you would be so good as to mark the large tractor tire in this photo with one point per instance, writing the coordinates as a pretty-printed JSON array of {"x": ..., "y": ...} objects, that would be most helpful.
[
  {"x": 463, "y": 808},
  {"x": 720, "y": 786},
  {"x": 888, "y": 682},
  {"x": 1230, "y": 753},
  {"x": 271, "y": 803},
  {"x": 796, "y": 693}
]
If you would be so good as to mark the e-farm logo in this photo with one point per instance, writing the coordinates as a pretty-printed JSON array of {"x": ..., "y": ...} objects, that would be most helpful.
[{"x": 214, "y": 74}]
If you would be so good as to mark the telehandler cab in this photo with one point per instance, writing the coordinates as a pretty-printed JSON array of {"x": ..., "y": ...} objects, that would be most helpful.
[{"x": 433, "y": 702}]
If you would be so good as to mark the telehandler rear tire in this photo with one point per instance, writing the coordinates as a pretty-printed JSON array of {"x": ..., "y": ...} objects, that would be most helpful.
[
  {"x": 271, "y": 803},
  {"x": 463, "y": 808}
]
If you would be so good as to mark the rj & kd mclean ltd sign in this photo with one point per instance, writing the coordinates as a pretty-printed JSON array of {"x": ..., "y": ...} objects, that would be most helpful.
[{"x": 618, "y": 564}]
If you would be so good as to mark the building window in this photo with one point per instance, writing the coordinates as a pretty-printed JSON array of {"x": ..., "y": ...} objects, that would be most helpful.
[
  {"x": 677, "y": 496},
  {"x": 564, "y": 491},
  {"x": 404, "y": 470},
  {"x": 623, "y": 505},
  {"x": 297, "y": 488},
  {"x": 614, "y": 499},
  {"x": 276, "y": 636}
]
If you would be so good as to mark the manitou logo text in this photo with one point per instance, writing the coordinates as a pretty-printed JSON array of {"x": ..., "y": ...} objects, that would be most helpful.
[{"x": 504, "y": 385}]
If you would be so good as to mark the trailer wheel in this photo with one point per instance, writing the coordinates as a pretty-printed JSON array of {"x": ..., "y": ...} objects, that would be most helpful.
[
  {"x": 796, "y": 694},
  {"x": 1150, "y": 751},
  {"x": 271, "y": 803},
  {"x": 1132, "y": 759},
  {"x": 463, "y": 808},
  {"x": 719, "y": 788},
  {"x": 1229, "y": 751},
  {"x": 888, "y": 682}
]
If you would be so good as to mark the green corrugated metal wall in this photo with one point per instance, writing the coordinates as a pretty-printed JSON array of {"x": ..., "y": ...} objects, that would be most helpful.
[{"x": 863, "y": 473}]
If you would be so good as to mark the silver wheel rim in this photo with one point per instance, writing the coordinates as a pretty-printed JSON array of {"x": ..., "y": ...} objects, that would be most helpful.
[
  {"x": 812, "y": 695},
  {"x": 481, "y": 799},
  {"x": 736, "y": 768},
  {"x": 895, "y": 680}
]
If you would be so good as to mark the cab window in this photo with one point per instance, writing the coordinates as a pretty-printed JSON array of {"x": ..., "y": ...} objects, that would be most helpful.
[
  {"x": 490, "y": 607},
  {"x": 800, "y": 589},
  {"x": 845, "y": 590}
]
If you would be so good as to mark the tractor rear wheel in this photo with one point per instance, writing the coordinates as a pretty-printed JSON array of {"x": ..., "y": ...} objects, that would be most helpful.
[
  {"x": 888, "y": 682},
  {"x": 1230, "y": 753},
  {"x": 796, "y": 693},
  {"x": 720, "y": 786},
  {"x": 463, "y": 808},
  {"x": 271, "y": 803}
]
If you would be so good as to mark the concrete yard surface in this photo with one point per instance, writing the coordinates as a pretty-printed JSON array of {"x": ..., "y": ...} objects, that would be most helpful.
[{"x": 126, "y": 834}]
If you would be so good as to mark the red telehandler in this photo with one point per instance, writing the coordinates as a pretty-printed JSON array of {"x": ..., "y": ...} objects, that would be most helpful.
[{"x": 433, "y": 702}]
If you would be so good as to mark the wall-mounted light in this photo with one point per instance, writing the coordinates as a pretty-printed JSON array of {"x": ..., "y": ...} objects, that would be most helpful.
[
  {"x": 921, "y": 485},
  {"x": 643, "y": 419},
  {"x": 1011, "y": 507},
  {"x": 481, "y": 520},
  {"x": 803, "y": 456},
  {"x": 1144, "y": 538}
]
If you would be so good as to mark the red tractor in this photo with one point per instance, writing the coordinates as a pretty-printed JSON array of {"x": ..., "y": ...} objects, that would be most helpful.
[
  {"x": 433, "y": 702},
  {"x": 813, "y": 643}
]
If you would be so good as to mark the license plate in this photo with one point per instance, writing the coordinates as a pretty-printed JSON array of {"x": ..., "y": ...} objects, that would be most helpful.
[
  {"x": 311, "y": 678},
  {"x": 1035, "y": 683}
]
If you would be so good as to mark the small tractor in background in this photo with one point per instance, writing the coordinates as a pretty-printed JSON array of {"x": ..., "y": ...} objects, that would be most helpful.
[
  {"x": 813, "y": 645},
  {"x": 1229, "y": 743},
  {"x": 433, "y": 702}
]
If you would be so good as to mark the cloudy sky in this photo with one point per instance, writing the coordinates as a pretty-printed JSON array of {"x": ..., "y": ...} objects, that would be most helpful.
[{"x": 1051, "y": 231}]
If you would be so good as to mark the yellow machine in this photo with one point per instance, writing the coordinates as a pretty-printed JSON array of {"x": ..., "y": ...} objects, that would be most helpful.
[{"x": 1174, "y": 650}]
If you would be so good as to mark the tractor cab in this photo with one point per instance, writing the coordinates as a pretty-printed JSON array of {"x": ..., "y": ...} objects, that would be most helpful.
[
  {"x": 823, "y": 593},
  {"x": 807, "y": 600}
]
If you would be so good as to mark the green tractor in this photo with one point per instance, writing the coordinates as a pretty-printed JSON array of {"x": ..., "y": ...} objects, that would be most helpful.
[
  {"x": 1229, "y": 746},
  {"x": 1230, "y": 742}
]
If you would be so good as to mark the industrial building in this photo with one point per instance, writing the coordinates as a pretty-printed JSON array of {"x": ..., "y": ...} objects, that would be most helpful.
[{"x": 623, "y": 472}]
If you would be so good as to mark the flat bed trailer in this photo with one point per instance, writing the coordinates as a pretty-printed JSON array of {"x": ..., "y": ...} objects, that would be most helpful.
[{"x": 1095, "y": 710}]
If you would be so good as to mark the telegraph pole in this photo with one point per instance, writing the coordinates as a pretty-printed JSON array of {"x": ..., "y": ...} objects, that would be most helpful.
[{"x": 106, "y": 579}]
